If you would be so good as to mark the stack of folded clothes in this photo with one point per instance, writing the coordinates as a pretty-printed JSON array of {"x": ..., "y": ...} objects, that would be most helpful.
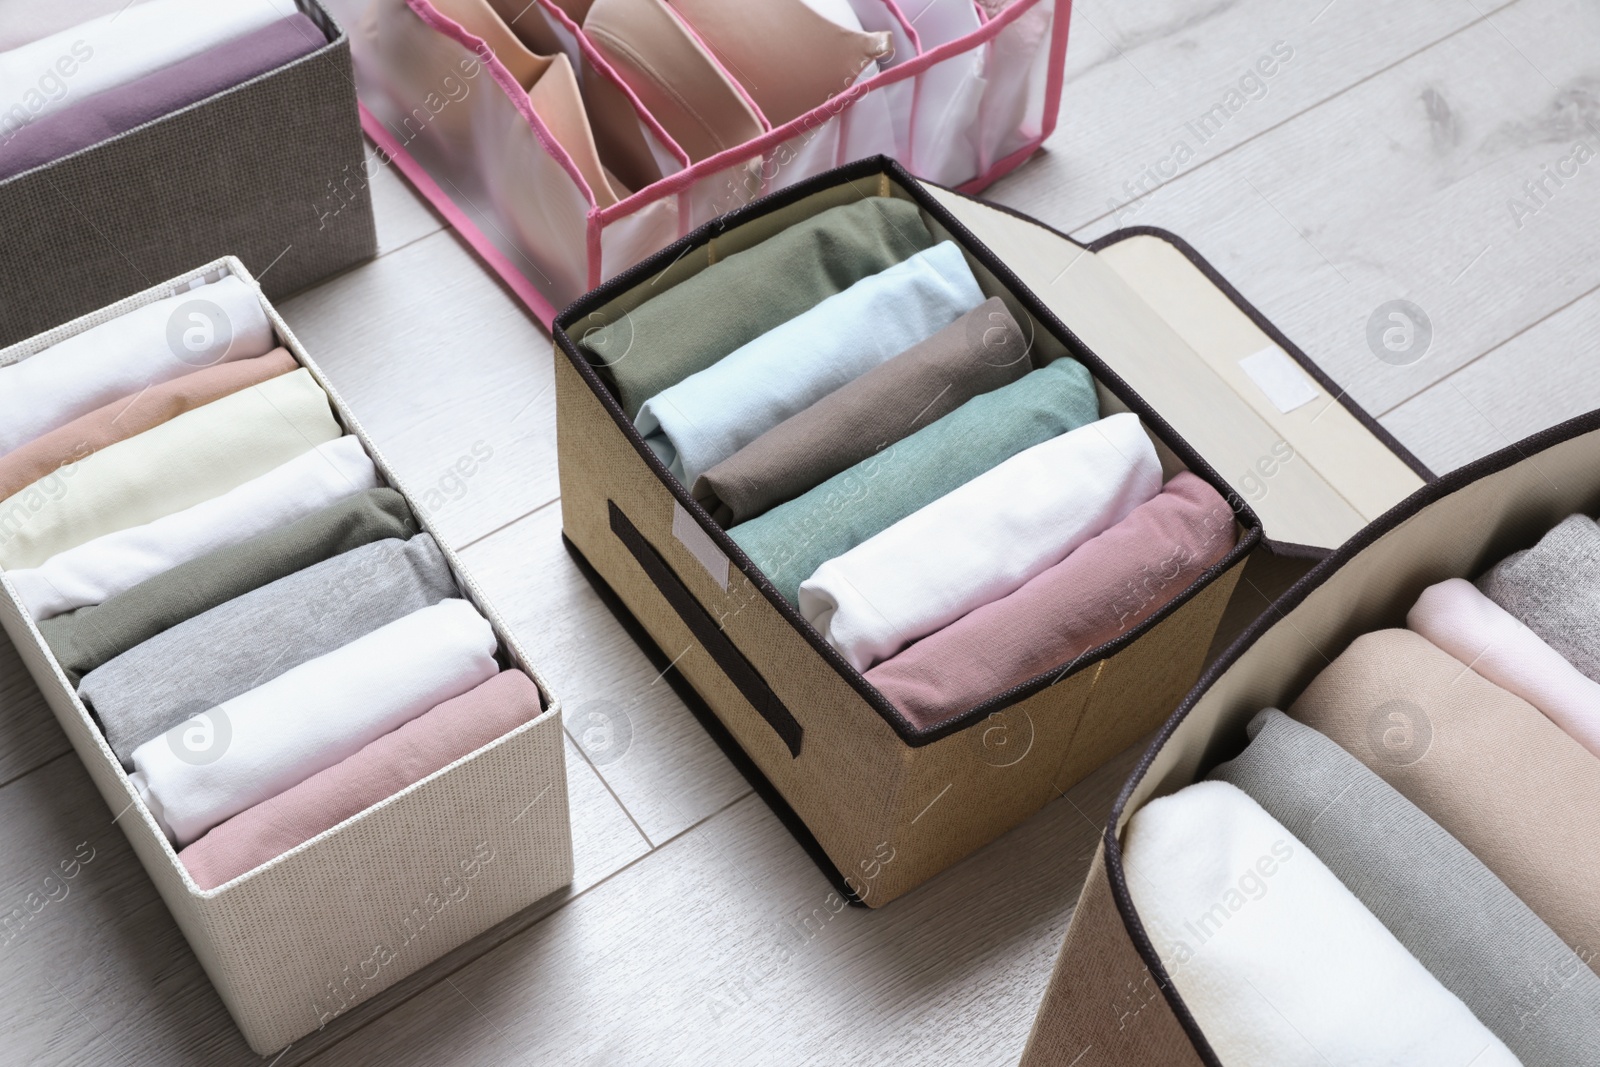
[
  {"x": 265, "y": 635},
  {"x": 1398, "y": 870},
  {"x": 84, "y": 84},
  {"x": 948, "y": 509}
]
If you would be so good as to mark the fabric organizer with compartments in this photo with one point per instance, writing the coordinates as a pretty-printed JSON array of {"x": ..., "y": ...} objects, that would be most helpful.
[
  {"x": 369, "y": 878},
  {"x": 1388, "y": 705},
  {"x": 270, "y": 169},
  {"x": 545, "y": 130},
  {"x": 1161, "y": 336}
]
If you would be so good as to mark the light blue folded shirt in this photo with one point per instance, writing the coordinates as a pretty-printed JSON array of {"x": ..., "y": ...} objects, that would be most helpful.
[{"x": 710, "y": 415}]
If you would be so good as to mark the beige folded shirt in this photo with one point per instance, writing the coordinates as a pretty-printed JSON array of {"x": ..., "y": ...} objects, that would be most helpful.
[
  {"x": 199, "y": 455},
  {"x": 1486, "y": 765}
]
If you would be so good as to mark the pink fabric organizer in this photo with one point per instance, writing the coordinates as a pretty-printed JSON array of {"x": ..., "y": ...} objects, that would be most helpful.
[{"x": 970, "y": 89}]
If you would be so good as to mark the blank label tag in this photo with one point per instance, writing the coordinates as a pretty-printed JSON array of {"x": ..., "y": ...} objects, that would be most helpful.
[
  {"x": 700, "y": 545},
  {"x": 1286, "y": 385}
]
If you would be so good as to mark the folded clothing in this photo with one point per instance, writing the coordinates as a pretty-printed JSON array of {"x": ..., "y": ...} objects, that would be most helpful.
[
  {"x": 982, "y": 350},
  {"x": 792, "y": 540},
  {"x": 98, "y": 570},
  {"x": 1480, "y": 633},
  {"x": 735, "y": 300},
  {"x": 433, "y": 740},
  {"x": 231, "y": 649},
  {"x": 200, "y": 327},
  {"x": 1450, "y": 911},
  {"x": 702, "y": 420},
  {"x": 1554, "y": 588},
  {"x": 260, "y": 743},
  {"x": 117, "y": 110},
  {"x": 981, "y": 541},
  {"x": 90, "y": 637},
  {"x": 1484, "y": 764},
  {"x": 129, "y": 416},
  {"x": 1280, "y": 965},
  {"x": 23, "y": 21},
  {"x": 1106, "y": 587}
]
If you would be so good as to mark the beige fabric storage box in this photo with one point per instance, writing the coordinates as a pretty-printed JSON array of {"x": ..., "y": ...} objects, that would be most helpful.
[
  {"x": 1110, "y": 1000},
  {"x": 891, "y": 804},
  {"x": 295, "y": 943}
]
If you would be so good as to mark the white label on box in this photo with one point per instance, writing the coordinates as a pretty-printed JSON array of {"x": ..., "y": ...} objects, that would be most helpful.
[
  {"x": 700, "y": 545},
  {"x": 1286, "y": 385}
]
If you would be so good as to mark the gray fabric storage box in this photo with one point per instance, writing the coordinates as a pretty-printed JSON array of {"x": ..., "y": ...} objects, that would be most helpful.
[{"x": 271, "y": 171}]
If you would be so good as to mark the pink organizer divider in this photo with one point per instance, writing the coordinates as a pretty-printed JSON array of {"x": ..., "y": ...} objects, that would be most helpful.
[{"x": 961, "y": 113}]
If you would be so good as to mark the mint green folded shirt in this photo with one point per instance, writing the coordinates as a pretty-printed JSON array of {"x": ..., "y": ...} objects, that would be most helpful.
[{"x": 792, "y": 540}]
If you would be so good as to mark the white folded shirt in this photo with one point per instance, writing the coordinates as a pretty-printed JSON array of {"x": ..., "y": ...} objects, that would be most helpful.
[
  {"x": 1480, "y": 633},
  {"x": 255, "y": 746},
  {"x": 710, "y": 415},
  {"x": 1279, "y": 963},
  {"x": 981, "y": 541},
  {"x": 156, "y": 343},
  {"x": 109, "y": 52},
  {"x": 98, "y": 570}
]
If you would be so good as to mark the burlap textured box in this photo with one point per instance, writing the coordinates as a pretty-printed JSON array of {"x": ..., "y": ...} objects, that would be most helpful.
[
  {"x": 891, "y": 804},
  {"x": 1110, "y": 1001},
  {"x": 272, "y": 171},
  {"x": 295, "y": 943}
]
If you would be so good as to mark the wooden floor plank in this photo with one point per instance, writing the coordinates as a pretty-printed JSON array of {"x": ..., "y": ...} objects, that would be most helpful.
[{"x": 29, "y": 735}]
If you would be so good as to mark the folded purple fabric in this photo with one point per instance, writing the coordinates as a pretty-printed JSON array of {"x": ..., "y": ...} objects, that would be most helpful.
[
  {"x": 105, "y": 115},
  {"x": 1109, "y": 585},
  {"x": 432, "y": 740}
]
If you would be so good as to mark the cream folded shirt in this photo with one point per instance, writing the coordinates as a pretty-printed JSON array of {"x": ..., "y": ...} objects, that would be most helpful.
[
  {"x": 116, "y": 359},
  {"x": 277, "y": 735},
  {"x": 710, "y": 415},
  {"x": 98, "y": 570},
  {"x": 1279, "y": 963},
  {"x": 982, "y": 541},
  {"x": 199, "y": 455}
]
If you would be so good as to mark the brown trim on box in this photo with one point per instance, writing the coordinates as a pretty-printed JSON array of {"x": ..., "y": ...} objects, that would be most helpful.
[
  {"x": 705, "y": 629},
  {"x": 1431, "y": 493},
  {"x": 880, "y": 167}
]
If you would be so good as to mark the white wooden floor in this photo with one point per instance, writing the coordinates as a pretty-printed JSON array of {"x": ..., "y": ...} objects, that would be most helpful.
[{"x": 1384, "y": 159}]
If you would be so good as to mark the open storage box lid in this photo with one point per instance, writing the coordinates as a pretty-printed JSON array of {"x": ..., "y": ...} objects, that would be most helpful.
[{"x": 1312, "y": 464}]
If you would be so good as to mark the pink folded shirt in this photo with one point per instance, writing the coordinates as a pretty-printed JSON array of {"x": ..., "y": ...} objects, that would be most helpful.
[
  {"x": 1109, "y": 585},
  {"x": 434, "y": 739}
]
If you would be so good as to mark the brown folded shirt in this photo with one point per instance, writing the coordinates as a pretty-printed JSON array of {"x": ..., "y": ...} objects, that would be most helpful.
[
  {"x": 979, "y": 352},
  {"x": 133, "y": 415},
  {"x": 1486, "y": 765}
]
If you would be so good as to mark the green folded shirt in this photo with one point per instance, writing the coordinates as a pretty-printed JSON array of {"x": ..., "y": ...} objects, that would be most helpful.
[
  {"x": 733, "y": 301},
  {"x": 792, "y": 540}
]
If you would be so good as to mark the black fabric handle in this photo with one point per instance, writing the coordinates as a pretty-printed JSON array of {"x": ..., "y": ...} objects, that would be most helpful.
[{"x": 707, "y": 632}]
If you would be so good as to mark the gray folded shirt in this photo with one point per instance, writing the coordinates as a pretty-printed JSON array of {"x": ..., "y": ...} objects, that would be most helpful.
[
  {"x": 1554, "y": 588},
  {"x": 252, "y": 639},
  {"x": 1438, "y": 899}
]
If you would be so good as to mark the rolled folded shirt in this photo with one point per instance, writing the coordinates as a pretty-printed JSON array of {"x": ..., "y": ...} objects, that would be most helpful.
[
  {"x": 88, "y": 638},
  {"x": 1486, "y": 765},
  {"x": 710, "y": 415},
  {"x": 88, "y": 121},
  {"x": 982, "y": 541},
  {"x": 275, "y": 736},
  {"x": 1280, "y": 965},
  {"x": 167, "y": 339},
  {"x": 1450, "y": 911},
  {"x": 195, "y": 457},
  {"x": 741, "y": 296},
  {"x": 114, "y": 563},
  {"x": 982, "y": 350},
  {"x": 1478, "y": 632},
  {"x": 394, "y": 762},
  {"x": 130, "y": 416},
  {"x": 792, "y": 540},
  {"x": 1554, "y": 589},
  {"x": 231, "y": 649},
  {"x": 1105, "y": 588}
]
